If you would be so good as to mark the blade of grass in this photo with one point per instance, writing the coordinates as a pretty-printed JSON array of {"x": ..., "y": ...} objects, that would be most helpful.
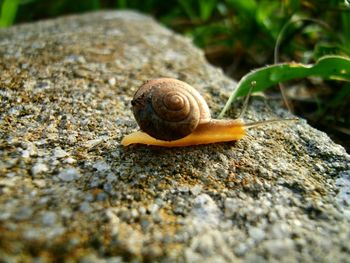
[
  {"x": 293, "y": 20},
  {"x": 8, "y": 12},
  {"x": 94, "y": 5},
  {"x": 337, "y": 100},
  {"x": 327, "y": 67},
  {"x": 245, "y": 7},
  {"x": 340, "y": 96},
  {"x": 206, "y": 8},
  {"x": 186, "y": 5},
  {"x": 346, "y": 29},
  {"x": 121, "y": 4},
  {"x": 279, "y": 39}
]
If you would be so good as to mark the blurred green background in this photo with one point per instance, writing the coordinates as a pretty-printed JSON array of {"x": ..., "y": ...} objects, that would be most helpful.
[{"x": 240, "y": 35}]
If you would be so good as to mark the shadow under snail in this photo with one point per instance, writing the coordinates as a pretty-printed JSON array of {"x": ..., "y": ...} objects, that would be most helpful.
[{"x": 171, "y": 113}]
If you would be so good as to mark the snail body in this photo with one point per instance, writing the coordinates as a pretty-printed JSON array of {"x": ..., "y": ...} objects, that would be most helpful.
[
  {"x": 211, "y": 132},
  {"x": 171, "y": 113}
]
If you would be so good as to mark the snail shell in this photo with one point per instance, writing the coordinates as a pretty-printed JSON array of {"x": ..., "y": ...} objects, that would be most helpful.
[{"x": 169, "y": 109}]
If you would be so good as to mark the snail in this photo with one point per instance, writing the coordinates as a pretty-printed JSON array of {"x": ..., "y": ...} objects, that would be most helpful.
[{"x": 171, "y": 113}]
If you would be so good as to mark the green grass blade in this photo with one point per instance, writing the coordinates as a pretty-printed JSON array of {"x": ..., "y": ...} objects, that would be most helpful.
[
  {"x": 346, "y": 29},
  {"x": 206, "y": 9},
  {"x": 244, "y": 7},
  {"x": 121, "y": 4},
  {"x": 189, "y": 10},
  {"x": 340, "y": 96},
  {"x": 8, "y": 12},
  {"x": 327, "y": 67}
]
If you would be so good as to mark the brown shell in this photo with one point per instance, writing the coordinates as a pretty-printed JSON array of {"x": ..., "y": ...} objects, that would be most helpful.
[{"x": 169, "y": 109}]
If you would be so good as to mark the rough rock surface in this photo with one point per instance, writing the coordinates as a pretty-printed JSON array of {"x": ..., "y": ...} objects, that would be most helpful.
[{"x": 70, "y": 191}]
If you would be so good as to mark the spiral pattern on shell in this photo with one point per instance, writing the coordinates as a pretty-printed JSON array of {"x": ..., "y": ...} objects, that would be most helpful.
[{"x": 169, "y": 109}]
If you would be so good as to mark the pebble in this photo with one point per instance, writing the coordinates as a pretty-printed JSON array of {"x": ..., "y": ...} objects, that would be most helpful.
[
  {"x": 5, "y": 216},
  {"x": 39, "y": 183},
  {"x": 49, "y": 218},
  {"x": 111, "y": 177},
  {"x": 38, "y": 168},
  {"x": 85, "y": 207},
  {"x": 31, "y": 234},
  {"x": 280, "y": 230},
  {"x": 192, "y": 257},
  {"x": 72, "y": 139},
  {"x": 101, "y": 166},
  {"x": 112, "y": 81},
  {"x": 195, "y": 190},
  {"x": 59, "y": 153},
  {"x": 23, "y": 213},
  {"x": 31, "y": 149},
  {"x": 65, "y": 213},
  {"x": 230, "y": 207},
  {"x": 279, "y": 248},
  {"x": 69, "y": 174},
  {"x": 54, "y": 232},
  {"x": 204, "y": 244},
  {"x": 92, "y": 258},
  {"x": 8, "y": 182},
  {"x": 74, "y": 58},
  {"x": 25, "y": 154},
  {"x": 256, "y": 233},
  {"x": 253, "y": 258},
  {"x": 183, "y": 189},
  {"x": 205, "y": 211},
  {"x": 92, "y": 143},
  {"x": 241, "y": 249},
  {"x": 343, "y": 196},
  {"x": 101, "y": 196},
  {"x": 69, "y": 160}
]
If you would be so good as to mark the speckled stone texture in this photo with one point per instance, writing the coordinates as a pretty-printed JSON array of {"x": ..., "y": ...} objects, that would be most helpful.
[{"x": 70, "y": 192}]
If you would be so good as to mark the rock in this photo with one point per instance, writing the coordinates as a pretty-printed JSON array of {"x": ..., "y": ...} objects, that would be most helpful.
[{"x": 70, "y": 192}]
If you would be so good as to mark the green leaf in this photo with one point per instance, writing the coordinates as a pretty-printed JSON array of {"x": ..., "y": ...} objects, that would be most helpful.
[{"x": 328, "y": 67}]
